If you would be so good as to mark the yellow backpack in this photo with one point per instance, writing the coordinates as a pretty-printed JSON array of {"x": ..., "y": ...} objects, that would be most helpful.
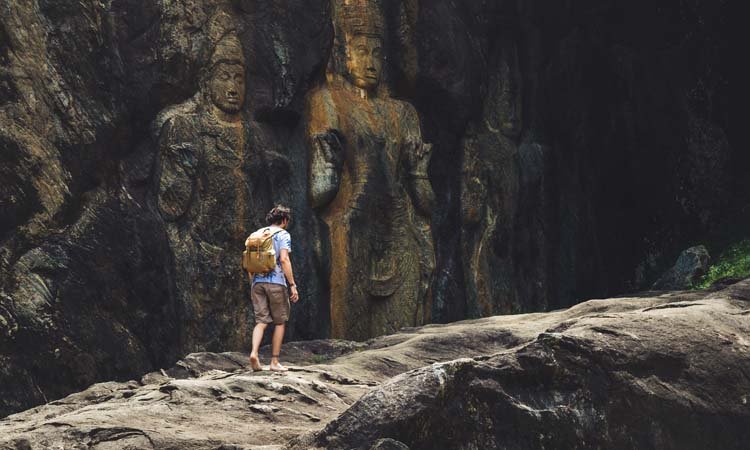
[{"x": 259, "y": 255}]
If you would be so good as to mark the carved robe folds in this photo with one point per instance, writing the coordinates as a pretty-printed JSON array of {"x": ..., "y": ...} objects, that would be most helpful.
[
  {"x": 203, "y": 196},
  {"x": 368, "y": 180},
  {"x": 490, "y": 192}
]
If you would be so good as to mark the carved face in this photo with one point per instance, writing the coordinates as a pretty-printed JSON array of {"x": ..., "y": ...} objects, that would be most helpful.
[
  {"x": 364, "y": 62},
  {"x": 504, "y": 103},
  {"x": 510, "y": 104},
  {"x": 227, "y": 87}
]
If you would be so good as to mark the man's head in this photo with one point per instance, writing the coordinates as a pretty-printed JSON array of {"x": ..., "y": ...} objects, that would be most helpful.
[
  {"x": 280, "y": 216},
  {"x": 364, "y": 61}
]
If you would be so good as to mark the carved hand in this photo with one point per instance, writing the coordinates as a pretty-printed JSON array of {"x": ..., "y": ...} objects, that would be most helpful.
[
  {"x": 473, "y": 197},
  {"x": 325, "y": 167},
  {"x": 423, "y": 196},
  {"x": 331, "y": 148},
  {"x": 423, "y": 149},
  {"x": 473, "y": 191}
]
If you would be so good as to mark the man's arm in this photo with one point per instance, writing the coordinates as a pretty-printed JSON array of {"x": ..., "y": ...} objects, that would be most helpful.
[{"x": 286, "y": 266}]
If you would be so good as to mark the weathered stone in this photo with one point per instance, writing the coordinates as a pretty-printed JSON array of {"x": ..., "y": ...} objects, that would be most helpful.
[
  {"x": 489, "y": 192},
  {"x": 687, "y": 270},
  {"x": 207, "y": 176},
  {"x": 665, "y": 371},
  {"x": 631, "y": 145},
  {"x": 661, "y": 372},
  {"x": 388, "y": 444},
  {"x": 368, "y": 178}
]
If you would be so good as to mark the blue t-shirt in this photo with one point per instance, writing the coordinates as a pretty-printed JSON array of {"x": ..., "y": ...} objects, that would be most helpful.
[{"x": 281, "y": 240}]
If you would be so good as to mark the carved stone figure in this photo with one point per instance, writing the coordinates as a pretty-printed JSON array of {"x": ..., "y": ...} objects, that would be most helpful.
[
  {"x": 368, "y": 182},
  {"x": 204, "y": 196},
  {"x": 489, "y": 192}
]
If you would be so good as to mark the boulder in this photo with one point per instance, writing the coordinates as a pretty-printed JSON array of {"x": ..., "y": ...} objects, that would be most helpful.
[{"x": 689, "y": 267}]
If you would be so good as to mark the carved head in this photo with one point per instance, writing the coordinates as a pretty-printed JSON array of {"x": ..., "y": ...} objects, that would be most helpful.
[
  {"x": 503, "y": 100},
  {"x": 360, "y": 36},
  {"x": 225, "y": 83},
  {"x": 364, "y": 61},
  {"x": 226, "y": 87}
]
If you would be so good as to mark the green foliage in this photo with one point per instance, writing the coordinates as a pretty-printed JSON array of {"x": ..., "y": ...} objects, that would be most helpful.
[{"x": 734, "y": 262}]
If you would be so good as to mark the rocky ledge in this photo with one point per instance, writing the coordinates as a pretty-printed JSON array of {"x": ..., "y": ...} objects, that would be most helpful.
[{"x": 659, "y": 370}]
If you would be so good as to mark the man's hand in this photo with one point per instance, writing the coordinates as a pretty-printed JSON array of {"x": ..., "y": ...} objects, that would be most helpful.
[{"x": 295, "y": 295}]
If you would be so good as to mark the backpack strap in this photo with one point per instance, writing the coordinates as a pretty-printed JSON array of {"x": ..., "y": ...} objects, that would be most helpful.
[
  {"x": 271, "y": 237},
  {"x": 275, "y": 232}
]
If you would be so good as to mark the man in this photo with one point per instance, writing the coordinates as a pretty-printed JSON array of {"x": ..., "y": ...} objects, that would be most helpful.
[{"x": 270, "y": 294}]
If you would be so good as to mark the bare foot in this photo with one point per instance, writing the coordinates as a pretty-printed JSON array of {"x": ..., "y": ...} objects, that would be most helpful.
[
  {"x": 277, "y": 367},
  {"x": 255, "y": 363}
]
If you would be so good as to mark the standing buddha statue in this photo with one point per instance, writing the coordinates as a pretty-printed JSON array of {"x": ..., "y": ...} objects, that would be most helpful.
[
  {"x": 203, "y": 192},
  {"x": 368, "y": 183}
]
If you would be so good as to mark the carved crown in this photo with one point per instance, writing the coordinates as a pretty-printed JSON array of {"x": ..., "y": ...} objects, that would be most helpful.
[
  {"x": 223, "y": 43},
  {"x": 359, "y": 17},
  {"x": 228, "y": 49}
]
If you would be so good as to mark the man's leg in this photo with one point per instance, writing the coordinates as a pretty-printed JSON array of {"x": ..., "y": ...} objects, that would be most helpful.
[
  {"x": 278, "y": 338},
  {"x": 279, "y": 299},
  {"x": 258, "y": 331},
  {"x": 262, "y": 318}
]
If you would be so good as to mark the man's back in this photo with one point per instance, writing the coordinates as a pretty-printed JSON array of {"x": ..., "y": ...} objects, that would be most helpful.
[{"x": 282, "y": 240}]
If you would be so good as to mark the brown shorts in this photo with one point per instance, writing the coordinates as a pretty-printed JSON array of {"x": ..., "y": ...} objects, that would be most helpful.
[{"x": 270, "y": 303}]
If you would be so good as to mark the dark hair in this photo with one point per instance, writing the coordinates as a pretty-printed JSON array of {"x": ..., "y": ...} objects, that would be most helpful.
[{"x": 278, "y": 214}]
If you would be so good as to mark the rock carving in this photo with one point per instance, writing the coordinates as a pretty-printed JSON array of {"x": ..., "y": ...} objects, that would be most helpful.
[
  {"x": 489, "y": 192},
  {"x": 368, "y": 182},
  {"x": 205, "y": 198}
]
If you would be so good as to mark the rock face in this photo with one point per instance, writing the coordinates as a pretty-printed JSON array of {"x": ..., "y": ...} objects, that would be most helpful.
[
  {"x": 562, "y": 133},
  {"x": 665, "y": 371}
]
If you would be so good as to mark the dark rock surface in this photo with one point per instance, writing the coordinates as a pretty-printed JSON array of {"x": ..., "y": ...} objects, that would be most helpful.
[
  {"x": 663, "y": 371},
  {"x": 627, "y": 144}
]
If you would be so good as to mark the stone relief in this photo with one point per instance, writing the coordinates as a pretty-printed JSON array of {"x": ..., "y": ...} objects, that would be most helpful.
[
  {"x": 208, "y": 176},
  {"x": 489, "y": 191},
  {"x": 368, "y": 183},
  {"x": 88, "y": 271}
]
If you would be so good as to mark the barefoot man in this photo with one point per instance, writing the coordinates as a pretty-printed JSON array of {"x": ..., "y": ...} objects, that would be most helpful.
[{"x": 270, "y": 291}]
